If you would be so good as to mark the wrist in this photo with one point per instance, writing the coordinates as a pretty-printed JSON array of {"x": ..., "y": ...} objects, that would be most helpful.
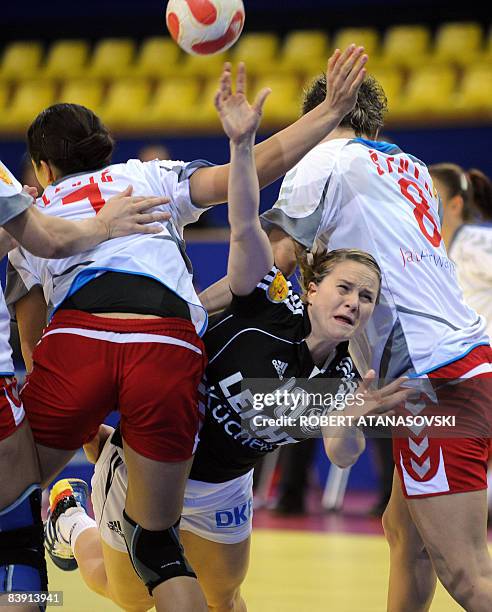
[
  {"x": 243, "y": 143},
  {"x": 103, "y": 228}
]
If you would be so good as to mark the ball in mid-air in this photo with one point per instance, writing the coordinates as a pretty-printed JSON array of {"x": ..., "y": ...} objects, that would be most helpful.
[{"x": 204, "y": 27}]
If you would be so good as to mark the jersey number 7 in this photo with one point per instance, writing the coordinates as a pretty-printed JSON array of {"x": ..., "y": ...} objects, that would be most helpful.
[{"x": 90, "y": 191}]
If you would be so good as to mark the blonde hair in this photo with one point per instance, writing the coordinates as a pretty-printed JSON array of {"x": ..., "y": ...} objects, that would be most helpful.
[{"x": 315, "y": 267}]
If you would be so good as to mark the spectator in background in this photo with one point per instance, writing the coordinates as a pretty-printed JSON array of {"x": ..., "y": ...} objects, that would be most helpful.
[
  {"x": 467, "y": 231},
  {"x": 154, "y": 151}
]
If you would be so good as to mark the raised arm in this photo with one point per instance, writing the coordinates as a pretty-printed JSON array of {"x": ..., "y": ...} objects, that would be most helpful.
[
  {"x": 282, "y": 151},
  {"x": 250, "y": 255},
  {"x": 53, "y": 237}
]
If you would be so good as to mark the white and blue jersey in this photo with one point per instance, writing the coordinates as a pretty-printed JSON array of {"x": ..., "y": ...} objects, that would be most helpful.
[{"x": 355, "y": 193}]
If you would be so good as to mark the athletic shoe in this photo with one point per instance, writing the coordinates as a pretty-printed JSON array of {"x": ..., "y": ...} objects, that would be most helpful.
[{"x": 67, "y": 497}]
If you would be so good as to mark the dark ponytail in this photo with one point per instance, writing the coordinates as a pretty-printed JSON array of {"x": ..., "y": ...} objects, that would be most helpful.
[
  {"x": 482, "y": 193},
  {"x": 457, "y": 183},
  {"x": 71, "y": 137}
]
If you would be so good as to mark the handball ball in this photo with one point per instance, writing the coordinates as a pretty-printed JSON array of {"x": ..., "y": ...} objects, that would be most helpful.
[{"x": 204, "y": 27}]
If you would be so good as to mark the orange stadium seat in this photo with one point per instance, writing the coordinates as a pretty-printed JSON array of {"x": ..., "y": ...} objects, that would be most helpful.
[
  {"x": 406, "y": 46},
  {"x": 258, "y": 50},
  {"x": 304, "y": 52},
  {"x": 428, "y": 92},
  {"x": 66, "y": 59},
  {"x": 111, "y": 58},
  {"x": 158, "y": 57},
  {"x": 30, "y": 97},
  {"x": 21, "y": 60},
  {"x": 87, "y": 92},
  {"x": 459, "y": 43},
  {"x": 126, "y": 99},
  {"x": 367, "y": 37}
]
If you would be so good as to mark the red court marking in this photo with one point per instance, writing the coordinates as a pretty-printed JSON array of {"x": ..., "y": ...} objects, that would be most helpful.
[
  {"x": 212, "y": 46},
  {"x": 203, "y": 11},
  {"x": 173, "y": 25}
]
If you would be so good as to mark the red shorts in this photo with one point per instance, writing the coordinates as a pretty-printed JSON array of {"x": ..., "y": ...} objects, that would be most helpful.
[
  {"x": 86, "y": 366},
  {"x": 11, "y": 411},
  {"x": 429, "y": 465}
]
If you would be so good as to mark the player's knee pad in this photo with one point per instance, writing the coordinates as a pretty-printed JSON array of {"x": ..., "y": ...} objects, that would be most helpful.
[
  {"x": 157, "y": 556},
  {"x": 22, "y": 563}
]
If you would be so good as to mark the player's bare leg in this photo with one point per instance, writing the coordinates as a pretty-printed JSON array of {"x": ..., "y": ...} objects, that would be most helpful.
[
  {"x": 454, "y": 530},
  {"x": 221, "y": 569},
  {"x": 154, "y": 501},
  {"x": 412, "y": 579}
]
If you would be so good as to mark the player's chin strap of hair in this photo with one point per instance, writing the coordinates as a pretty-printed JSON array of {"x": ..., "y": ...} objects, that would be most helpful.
[
  {"x": 22, "y": 563},
  {"x": 157, "y": 556}
]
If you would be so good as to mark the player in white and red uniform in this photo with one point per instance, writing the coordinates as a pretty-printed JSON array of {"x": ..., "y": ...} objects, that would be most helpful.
[
  {"x": 120, "y": 314},
  {"x": 22, "y": 566},
  {"x": 352, "y": 191}
]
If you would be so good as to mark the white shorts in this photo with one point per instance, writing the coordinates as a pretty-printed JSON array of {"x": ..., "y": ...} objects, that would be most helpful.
[{"x": 220, "y": 512}]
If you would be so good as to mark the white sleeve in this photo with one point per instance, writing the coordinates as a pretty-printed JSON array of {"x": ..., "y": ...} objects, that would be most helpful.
[
  {"x": 173, "y": 181},
  {"x": 21, "y": 277},
  {"x": 13, "y": 201},
  {"x": 305, "y": 206}
]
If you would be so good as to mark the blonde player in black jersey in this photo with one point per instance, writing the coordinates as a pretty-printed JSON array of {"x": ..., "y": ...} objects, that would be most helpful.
[{"x": 341, "y": 290}]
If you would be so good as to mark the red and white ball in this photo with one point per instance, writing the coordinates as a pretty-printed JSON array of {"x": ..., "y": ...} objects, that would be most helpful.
[{"x": 204, "y": 27}]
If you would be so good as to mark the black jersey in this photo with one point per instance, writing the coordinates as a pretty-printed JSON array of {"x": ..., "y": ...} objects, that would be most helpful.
[{"x": 261, "y": 335}]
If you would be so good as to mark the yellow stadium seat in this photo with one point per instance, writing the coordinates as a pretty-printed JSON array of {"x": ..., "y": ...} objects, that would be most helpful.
[
  {"x": 391, "y": 80},
  {"x": 170, "y": 107},
  {"x": 304, "y": 51},
  {"x": 158, "y": 57},
  {"x": 457, "y": 42},
  {"x": 21, "y": 60},
  {"x": 66, "y": 59},
  {"x": 475, "y": 92},
  {"x": 202, "y": 66},
  {"x": 126, "y": 99},
  {"x": 111, "y": 58},
  {"x": 203, "y": 116},
  {"x": 30, "y": 98},
  {"x": 256, "y": 49},
  {"x": 367, "y": 37},
  {"x": 87, "y": 92},
  {"x": 4, "y": 95},
  {"x": 486, "y": 54},
  {"x": 406, "y": 45},
  {"x": 283, "y": 105},
  {"x": 428, "y": 91}
]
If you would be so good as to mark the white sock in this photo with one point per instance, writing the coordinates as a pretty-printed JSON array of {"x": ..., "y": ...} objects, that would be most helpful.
[{"x": 72, "y": 523}]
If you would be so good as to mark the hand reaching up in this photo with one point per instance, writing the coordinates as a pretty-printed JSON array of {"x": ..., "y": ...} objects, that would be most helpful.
[{"x": 239, "y": 118}]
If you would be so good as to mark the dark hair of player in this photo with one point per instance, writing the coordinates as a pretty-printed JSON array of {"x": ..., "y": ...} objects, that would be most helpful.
[
  {"x": 71, "y": 137},
  {"x": 473, "y": 186},
  {"x": 315, "y": 267},
  {"x": 367, "y": 116}
]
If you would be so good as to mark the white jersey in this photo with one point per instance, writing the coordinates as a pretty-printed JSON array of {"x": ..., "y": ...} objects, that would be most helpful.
[
  {"x": 13, "y": 202},
  {"x": 471, "y": 251},
  {"x": 158, "y": 256},
  {"x": 355, "y": 193}
]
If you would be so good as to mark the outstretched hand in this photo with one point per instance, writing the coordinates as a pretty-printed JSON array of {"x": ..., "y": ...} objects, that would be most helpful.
[
  {"x": 239, "y": 118},
  {"x": 344, "y": 76},
  {"x": 381, "y": 401}
]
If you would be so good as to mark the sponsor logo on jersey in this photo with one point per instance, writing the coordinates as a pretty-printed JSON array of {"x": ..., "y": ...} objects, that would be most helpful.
[
  {"x": 4, "y": 176},
  {"x": 280, "y": 367},
  {"x": 116, "y": 527},
  {"x": 278, "y": 289},
  {"x": 234, "y": 517}
]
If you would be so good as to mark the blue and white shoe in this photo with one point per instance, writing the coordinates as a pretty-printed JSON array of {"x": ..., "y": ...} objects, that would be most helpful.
[{"x": 67, "y": 497}]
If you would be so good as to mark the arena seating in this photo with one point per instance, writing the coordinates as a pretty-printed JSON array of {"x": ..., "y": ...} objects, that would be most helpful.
[{"x": 151, "y": 86}]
